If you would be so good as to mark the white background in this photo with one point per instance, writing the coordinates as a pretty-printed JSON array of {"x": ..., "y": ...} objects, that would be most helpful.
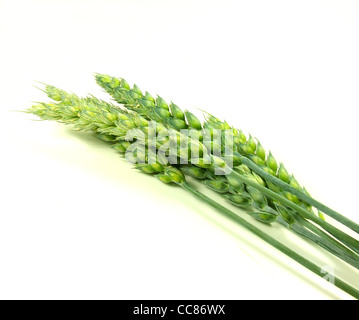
[{"x": 77, "y": 222}]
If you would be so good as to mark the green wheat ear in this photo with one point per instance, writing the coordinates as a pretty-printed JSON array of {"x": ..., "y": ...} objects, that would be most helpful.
[
  {"x": 126, "y": 96},
  {"x": 246, "y": 186},
  {"x": 172, "y": 116}
]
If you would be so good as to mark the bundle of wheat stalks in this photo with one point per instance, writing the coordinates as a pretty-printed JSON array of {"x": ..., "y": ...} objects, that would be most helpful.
[{"x": 162, "y": 140}]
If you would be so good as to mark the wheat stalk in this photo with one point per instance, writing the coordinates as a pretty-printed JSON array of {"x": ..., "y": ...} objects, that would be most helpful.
[
  {"x": 252, "y": 153},
  {"x": 158, "y": 110},
  {"x": 111, "y": 124},
  {"x": 255, "y": 187}
]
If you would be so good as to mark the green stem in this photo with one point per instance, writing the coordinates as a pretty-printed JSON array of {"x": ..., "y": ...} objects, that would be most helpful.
[
  {"x": 301, "y": 195},
  {"x": 307, "y": 224},
  {"x": 326, "y": 242},
  {"x": 311, "y": 232},
  {"x": 287, "y": 251},
  {"x": 340, "y": 235}
]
